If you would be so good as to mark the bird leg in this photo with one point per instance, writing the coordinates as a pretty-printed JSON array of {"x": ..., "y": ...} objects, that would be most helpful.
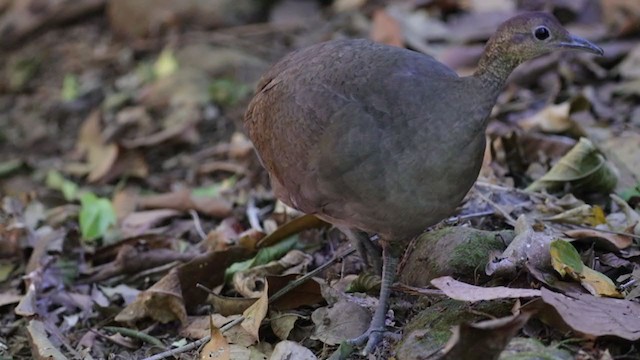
[
  {"x": 377, "y": 326},
  {"x": 369, "y": 252}
]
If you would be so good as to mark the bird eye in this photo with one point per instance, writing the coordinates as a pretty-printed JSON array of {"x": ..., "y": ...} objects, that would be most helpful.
[{"x": 541, "y": 33}]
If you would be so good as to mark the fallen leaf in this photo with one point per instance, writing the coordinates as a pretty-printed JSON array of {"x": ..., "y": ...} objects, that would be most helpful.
[
  {"x": 254, "y": 315},
  {"x": 598, "y": 283},
  {"x": 227, "y": 306},
  {"x": 584, "y": 214},
  {"x": 332, "y": 327},
  {"x": 282, "y": 324},
  {"x": 41, "y": 346},
  {"x": 286, "y": 350},
  {"x": 247, "y": 282},
  {"x": 608, "y": 241},
  {"x": 556, "y": 119},
  {"x": 606, "y": 316},
  {"x": 385, "y": 29},
  {"x": 295, "y": 226},
  {"x": 566, "y": 261},
  {"x": 583, "y": 167},
  {"x": 484, "y": 340},
  {"x": 529, "y": 247},
  {"x": 8, "y": 298},
  {"x": 217, "y": 348},
  {"x": 184, "y": 200},
  {"x": 162, "y": 302},
  {"x": 464, "y": 292},
  {"x": 306, "y": 294},
  {"x": 140, "y": 222}
]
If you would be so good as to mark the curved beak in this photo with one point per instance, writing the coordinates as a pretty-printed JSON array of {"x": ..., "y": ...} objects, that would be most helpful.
[{"x": 578, "y": 43}]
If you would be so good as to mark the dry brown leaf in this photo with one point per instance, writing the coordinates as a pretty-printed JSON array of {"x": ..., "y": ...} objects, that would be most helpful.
[
  {"x": 217, "y": 348},
  {"x": 306, "y": 294},
  {"x": 483, "y": 340},
  {"x": 528, "y": 247},
  {"x": 460, "y": 291},
  {"x": 183, "y": 200},
  {"x": 332, "y": 327},
  {"x": 612, "y": 242},
  {"x": 100, "y": 156},
  {"x": 254, "y": 315},
  {"x": 9, "y": 297},
  {"x": 209, "y": 270},
  {"x": 622, "y": 16},
  {"x": 198, "y": 327},
  {"x": 286, "y": 350},
  {"x": 41, "y": 346},
  {"x": 124, "y": 202},
  {"x": 247, "y": 281},
  {"x": 162, "y": 302},
  {"x": 606, "y": 316},
  {"x": 227, "y": 306},
  {"x": 385, "y": 29},
  {"x": 292, "y": 227},
  {"x": 282, "y": 324},
  {"x": 176, "y": 293},
  {"x": 24, "y": 17},
  {"x": 140, "y": 222}
]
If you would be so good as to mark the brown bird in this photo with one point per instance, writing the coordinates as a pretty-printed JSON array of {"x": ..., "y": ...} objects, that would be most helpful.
[{"x": 382, "y": 140}]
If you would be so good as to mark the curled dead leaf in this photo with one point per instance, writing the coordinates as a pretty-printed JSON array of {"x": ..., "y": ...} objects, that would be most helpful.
[{"x": 584, "y": 168}]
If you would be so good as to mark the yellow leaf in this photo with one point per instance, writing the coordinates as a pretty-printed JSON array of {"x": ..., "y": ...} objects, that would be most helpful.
[
  {"x": 565, "y": 259},
  {"x": 597, "y": 216},
  {"x": 254, "y": 315},
  {"x": 598, "y": 283}
]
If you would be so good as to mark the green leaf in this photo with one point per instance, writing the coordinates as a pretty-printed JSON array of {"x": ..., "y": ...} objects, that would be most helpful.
[
  {"x": 214, "y": 189},
  {"x": 228, "y": 92},
  {"x": 70, "y": 87},
  {"x": 9, "y": 167},
  {"x": 165, "y": 65},
  {"x": 263, "y": 256},
  {"x": 565, "y": 258},
  {"x": 630, "y": 192},
  {"x": 56, "y": 181},
  {"x": 96, "y": 216}
]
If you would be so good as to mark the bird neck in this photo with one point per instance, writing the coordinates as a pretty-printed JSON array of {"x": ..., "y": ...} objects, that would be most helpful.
[{"x": 495, "y": 66}]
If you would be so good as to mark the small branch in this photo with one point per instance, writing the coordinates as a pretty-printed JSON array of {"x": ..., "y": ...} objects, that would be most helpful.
[
  {"x": 197, "y": 225},
  {"x": 510, "y": 220}
]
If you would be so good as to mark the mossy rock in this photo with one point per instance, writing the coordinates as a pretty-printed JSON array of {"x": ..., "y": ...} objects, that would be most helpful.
[
  {"x": 431, "y": 328},
  {"x": 455, "y": 251},
  {"x": 532, "y": 349}
]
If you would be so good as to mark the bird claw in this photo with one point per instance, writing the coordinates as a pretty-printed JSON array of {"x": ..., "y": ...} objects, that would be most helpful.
[{"x": 372, "y": 337}]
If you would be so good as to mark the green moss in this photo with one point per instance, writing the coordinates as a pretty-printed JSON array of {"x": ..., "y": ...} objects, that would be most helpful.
[
  {"x": 431, "y": 328},
  {"x": 473, "y": 254}
]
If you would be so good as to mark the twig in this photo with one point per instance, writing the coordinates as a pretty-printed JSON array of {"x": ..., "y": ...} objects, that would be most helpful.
[
  {"x": 515, "y": 190},
  {"x": 135, "y": 334},
  {"x": 253, "y": 215},
  {"x": 456, "y": 219},
  {"x": 197, "y": 225},
  {"x": 628, "y": 284},
  {"x": 510, "y": 220},
  {"x": 237, "y": 321}
]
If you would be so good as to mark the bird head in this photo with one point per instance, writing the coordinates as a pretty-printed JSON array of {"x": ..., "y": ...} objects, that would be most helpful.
[{"x": 533, "y": 34}]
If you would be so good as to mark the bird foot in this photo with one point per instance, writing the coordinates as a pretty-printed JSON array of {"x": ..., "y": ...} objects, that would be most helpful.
[{"x": 372, "y": 337}]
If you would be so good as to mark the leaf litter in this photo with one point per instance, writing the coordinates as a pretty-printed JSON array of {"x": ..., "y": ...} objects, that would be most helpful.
[{"x": 128, "y": 187}]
